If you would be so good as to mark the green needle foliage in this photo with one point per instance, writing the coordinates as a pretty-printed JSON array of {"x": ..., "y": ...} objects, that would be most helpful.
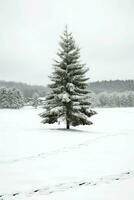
[{"x": 69, "y": 98}]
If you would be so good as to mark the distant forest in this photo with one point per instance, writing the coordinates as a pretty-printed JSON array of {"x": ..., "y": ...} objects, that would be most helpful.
[
  {"x": 27, "y": 90},
  {"x": 97, "y": 87},
  {"x": 112, "y": 86}
]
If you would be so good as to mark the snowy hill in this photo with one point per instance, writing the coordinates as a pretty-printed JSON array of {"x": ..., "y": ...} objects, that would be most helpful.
[{"x": 40, "y": 162}]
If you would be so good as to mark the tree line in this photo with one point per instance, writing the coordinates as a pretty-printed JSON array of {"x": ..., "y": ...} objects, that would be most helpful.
[
  {"x": 97, "y": 87},
  {"x": 114, "y": 99},
  {"x": 112, "y": 86},
  {"x": 26, "y": 89},
  {"x": 14, "y": 98}
]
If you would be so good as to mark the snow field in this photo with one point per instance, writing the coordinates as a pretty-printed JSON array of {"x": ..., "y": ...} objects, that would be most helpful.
[{"x": 35, "y": 158}]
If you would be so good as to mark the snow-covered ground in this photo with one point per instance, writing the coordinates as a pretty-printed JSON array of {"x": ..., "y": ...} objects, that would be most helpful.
[{"x": 46, "y": 162}]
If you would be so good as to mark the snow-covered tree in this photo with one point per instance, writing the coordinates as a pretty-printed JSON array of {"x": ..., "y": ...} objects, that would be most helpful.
[
  {"x": 69, "y": 98},
  {"x": 19, "y": 98},
  {"x": 94, "y": 100},
  {"x": 130, "y": 97},
  {"x": 11, "y": 98},
  {"x": 35, "y": 100},
  {"x": 15, "y": 98},
  {"x": 103, "y": 99},
  {"x": 4, "y": 103},
  {"x": 115, "y": 99}
]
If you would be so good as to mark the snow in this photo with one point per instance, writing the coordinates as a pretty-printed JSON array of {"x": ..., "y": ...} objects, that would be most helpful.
[
  {"x": 70, "y": 87},
  {"x": 46, "y": 162},
  {"x": 64, "y": 97}
]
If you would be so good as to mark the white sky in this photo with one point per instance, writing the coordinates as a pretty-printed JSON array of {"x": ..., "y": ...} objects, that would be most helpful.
[{"x": 30, "y": 29}]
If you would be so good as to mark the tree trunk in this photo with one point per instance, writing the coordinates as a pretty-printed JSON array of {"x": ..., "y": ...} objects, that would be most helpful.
[{"x": 67, "y": 125}]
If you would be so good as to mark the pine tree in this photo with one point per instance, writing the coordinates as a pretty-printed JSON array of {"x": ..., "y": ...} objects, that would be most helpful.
[
  {"x": 18, "y": 98},
  {"x": 4, "y": 98},
  {"x": 69, "y": 98},
  {"x": 35, "y": 100},
  {"x": 11, "y": 98}
]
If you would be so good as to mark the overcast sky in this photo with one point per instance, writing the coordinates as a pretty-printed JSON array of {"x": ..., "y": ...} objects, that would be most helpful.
[{"x": 30, "y": 29}]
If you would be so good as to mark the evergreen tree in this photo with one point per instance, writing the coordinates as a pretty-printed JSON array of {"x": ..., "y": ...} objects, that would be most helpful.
[
  {"x": 4, "y": 98},
  {"x": 11, "y": 98},
  {"x": 130, "y": 96},
  {"x": 18, "y": 98},
  {"x": 69, "y": 98},
  {"x": 35, "y": 100}
]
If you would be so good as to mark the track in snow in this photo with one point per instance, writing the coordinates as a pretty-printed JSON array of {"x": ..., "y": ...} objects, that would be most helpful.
[
  {"x": 60, "y": 150},
  {"x": 72, "y": 185}
]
